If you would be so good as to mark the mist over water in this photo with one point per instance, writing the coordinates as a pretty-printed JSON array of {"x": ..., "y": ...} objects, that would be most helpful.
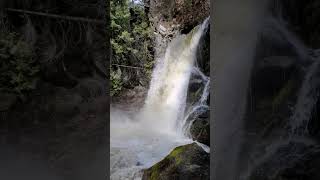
[{"x": 139, "y": 138}]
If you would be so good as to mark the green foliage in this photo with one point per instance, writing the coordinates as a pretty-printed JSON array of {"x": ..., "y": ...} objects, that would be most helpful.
[
  {"x": 121, "y": 39},
  {"x": 116, "y": 83},
  {"x": 18, "y": 67},
  {"x": 131, "y": 45}
]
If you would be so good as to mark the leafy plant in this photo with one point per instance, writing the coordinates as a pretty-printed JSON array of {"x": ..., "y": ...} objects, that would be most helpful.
[
  {"x": 18, "y": 66},
  {"x": 116, "y": 83}
]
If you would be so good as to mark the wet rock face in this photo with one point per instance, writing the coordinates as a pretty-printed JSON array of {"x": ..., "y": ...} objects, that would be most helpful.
[
  {"x": 200, "y": 130},
  {"x": 190, "y": 13},
  {"x": 185, "y": 13},
  {"x": 203, "y": 53},
  {"x": 171, "y": 17},
  {"x": 188, "y": 162}
]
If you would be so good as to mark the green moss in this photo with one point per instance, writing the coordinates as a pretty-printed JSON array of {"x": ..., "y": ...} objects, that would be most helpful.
[
  {"x": 174, "y": 157},
  {"x": 155, "y": 172},
  {"x": 176, "y": 151},
  {"x": 177, "y": 161},
  {"x": 176, "y": 154},
  {"x": 156, "y": 169}
]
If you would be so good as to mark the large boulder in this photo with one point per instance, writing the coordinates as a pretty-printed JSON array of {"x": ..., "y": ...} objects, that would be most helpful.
[{"x": 188, "y": 162}]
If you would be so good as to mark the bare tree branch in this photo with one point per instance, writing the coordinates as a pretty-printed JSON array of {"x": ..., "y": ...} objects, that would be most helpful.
[
  {"x": 56, "y": 16},
  {"x": 134, "y": 67}
]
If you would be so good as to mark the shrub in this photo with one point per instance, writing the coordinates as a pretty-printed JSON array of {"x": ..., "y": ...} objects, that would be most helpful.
[{"x": 18, "y": 66}]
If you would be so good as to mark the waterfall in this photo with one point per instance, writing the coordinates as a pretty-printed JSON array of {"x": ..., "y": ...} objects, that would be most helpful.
[
  {"x": 199, "y": 106},
  {"x": 166, "y": 100},
  {"x": 276, "y": 29},
  {"x": 276, "y": 153},
  {"x": 140, "y": 139},
  {"x": 307, "y": 98}
]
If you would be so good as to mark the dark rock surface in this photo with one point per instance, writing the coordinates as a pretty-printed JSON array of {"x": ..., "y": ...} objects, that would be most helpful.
[
  {"x": 203, "y": 53},
  {"x": 168, "y": 18},
  {"x": 184, "y": 13},
  {"x": 200, "y": 130}
]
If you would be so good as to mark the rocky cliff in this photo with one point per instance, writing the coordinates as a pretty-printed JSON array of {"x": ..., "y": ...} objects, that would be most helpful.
[{"x": 171, "y": 17}]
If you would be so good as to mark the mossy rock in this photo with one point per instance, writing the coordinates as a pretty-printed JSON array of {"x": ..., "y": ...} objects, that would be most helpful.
[{"x": 188, "y": 162}]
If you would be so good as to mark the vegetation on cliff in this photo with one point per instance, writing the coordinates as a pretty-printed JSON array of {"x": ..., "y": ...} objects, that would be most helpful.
[{"x": 131, "y": 41}]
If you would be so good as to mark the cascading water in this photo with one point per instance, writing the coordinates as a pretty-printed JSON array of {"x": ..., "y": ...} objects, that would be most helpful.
[
  {"x": 307, "y": 98},
  {"x": 139, "y": 140},
  {"x": 197, "y": 107},
  {"x": 279, "y": 153}
]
